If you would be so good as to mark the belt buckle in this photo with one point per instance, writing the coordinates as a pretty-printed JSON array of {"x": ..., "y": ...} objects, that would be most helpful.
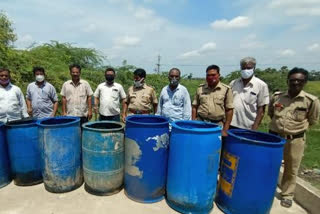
[{"x": 289, "y": 137}]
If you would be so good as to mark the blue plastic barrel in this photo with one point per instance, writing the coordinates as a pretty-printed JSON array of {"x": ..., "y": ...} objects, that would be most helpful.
[
  {"x": 250, "y": 167},
  {"x": 60, "y": 140},
  {"x": 193, "y": 166},
  {"x": 103, "y": 157},
  {"x": 4, "y": 159},
  {"x": 24, "y": 152},
  {"x": 146, "y": 156}
]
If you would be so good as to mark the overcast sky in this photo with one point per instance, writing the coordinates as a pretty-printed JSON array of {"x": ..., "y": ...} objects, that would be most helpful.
[{"x": 188, "y": 34}]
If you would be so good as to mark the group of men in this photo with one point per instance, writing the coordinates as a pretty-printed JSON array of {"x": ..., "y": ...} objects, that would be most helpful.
[{"x": 240, "y": 105}]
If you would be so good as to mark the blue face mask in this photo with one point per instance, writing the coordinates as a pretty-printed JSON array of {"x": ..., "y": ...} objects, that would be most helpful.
[
  {"x": 247, "y": 73},
  {"x": 4, "y": 82}
]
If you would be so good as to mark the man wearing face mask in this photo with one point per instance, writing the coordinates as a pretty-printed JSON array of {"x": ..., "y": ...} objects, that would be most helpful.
[
  {"x": 291, "y": 113},
  {"x": 12, "y": 103},
  {"x": 250, "y": 97},
  {"x": 42, "y": 100},
  {"x": 109, "y": 95},
  {"x": 141, "y": 98},
  {"x": 174, "y": 100},
  {"x": 76, "y": 96},
  {"x": 213, "y": 101}
]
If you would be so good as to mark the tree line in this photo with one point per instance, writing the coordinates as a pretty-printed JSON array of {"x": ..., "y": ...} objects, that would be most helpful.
[{"x": 55, "y": 57}]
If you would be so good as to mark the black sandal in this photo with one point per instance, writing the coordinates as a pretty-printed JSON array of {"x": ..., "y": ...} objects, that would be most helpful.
[{"x": 286, "y": 203}]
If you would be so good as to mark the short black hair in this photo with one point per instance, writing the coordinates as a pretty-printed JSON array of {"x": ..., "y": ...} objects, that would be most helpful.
[
  {"x": 35, "y": 69},
  {"x": 296, "y": 70},
  {"x": 213, "y": 67},
  {"x": 5, "y": 69},
  {"x": 140, "y": 72},
  {"x": 110, "y": 69},
  {"x": 74, "y": 66}
]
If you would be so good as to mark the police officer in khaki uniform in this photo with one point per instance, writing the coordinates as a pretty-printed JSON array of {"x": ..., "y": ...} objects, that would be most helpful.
[
  {"x": 141, "y": 98},
  {"x": 291, "y": 114},
  {"x": 213, "y": 101}
]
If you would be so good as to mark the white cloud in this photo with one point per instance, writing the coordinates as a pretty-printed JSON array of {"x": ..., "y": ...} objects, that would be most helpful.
[
  {"x": 287, "y": 52},
  {"x": 143, "y": 13},
  {"x": 90, "y": 28},
  {"x": 251, "y": 42},
  {"x": 301, "y": 27},
  {"x": 26, "y": 38},
  {"x": 297, "y": 7},
  {"x": 126, "y": 41},
  {"x": 190, "y": 54},
  {"x": 238, "y": 22},
  {"x": 206, "y": 48},
  {"x": 314, "y": 47}
]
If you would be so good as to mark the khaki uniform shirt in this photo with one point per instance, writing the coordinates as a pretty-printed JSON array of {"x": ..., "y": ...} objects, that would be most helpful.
[
  {"x": 141, "y": 99},
  {"x": 291, "y": 116},
  {"x": 211, "y": 103},
  {"x": 76, "y": 96}
]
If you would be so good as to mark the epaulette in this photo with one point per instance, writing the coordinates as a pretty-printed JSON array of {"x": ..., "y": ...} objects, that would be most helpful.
[
  {"x": 311, "y": 97},
  {"x": 225, "y": 85},
  {"x": 277, "y": 93}
]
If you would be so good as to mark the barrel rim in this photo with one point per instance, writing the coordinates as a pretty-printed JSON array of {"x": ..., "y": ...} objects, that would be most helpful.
[
  {"x": 84, "y": 126},
  {"x": 281, "y": 142},
  {"x": 166, "y": 122},
  {"x": 198, "y": 130},
  {"x": 76, "y": 120},
  {"x": 33, "y": 122}
]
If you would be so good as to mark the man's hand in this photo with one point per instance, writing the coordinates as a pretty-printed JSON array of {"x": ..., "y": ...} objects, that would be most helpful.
[
  {"x": 224, "y": 133},
  {"x": 124, "y": 117},
  {"x": 29, "y": 110},
  {"x": 89, "y": 115}
]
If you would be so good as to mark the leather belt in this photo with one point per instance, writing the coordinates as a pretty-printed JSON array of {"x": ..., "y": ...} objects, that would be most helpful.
[
  {"x": 135, "y": 111},
  {"x": 208, "y": 120},
  {"x": 289, "y": 136}
]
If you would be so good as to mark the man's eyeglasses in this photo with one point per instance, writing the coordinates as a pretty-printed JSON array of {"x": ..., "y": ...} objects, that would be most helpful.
[{"x": 297, "y": 80}]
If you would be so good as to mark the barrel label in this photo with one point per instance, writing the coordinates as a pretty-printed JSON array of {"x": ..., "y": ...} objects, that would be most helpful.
[{"x": 228, "y": 171}]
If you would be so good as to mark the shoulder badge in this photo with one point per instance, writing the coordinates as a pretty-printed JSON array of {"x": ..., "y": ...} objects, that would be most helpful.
[{"x": 311, "y": 97}]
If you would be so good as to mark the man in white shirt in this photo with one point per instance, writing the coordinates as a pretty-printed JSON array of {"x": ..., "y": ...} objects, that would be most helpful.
[
  {"x": 250, "y": 97},
  {"x": 76, "y": 96},
  {"x": 12, "y": 102},
  {"x": 109, "y": 95}
]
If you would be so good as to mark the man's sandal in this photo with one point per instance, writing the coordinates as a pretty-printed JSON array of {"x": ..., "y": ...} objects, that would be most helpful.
[{"x": 286, "y": 203}]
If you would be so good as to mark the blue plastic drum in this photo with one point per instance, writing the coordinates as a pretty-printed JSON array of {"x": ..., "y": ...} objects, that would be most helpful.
[
  {"x": 250, "y": 167},
  {"x": 5, "y": 178},
  {"x": 146, "y": 154},
  {"x": 193, "y": 166},
  {"x": 103, "y": 157},
  {"x": 60, "y": 140},
  {"x": 24, "y": 152}
]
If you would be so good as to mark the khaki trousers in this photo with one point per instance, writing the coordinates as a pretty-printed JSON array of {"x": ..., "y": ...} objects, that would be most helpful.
[{"x": 292, "y": 156}]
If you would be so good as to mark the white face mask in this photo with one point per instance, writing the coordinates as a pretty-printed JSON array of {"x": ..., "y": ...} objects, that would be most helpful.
[
  {"x": 247, "y": 73},
  {"x": 39, "y": 78},
  {"x": 138, "y": 83}
]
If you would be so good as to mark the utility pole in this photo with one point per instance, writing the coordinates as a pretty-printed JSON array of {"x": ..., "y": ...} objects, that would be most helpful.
[{"x": 158, "y": 64}]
